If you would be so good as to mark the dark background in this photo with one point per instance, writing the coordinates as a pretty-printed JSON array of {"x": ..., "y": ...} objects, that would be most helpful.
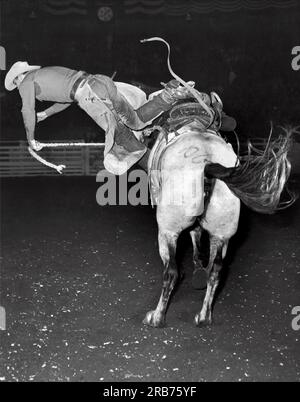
[
  {"x": 77, "y": 279},
  {"x": 245, "y": 56}
]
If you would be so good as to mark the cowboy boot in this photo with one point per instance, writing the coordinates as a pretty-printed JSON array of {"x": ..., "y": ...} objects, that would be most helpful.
[
  {"x": 163, "y": 102},
  {"x": 137, "y": 119},
  {"x": 173, "y": 91}
]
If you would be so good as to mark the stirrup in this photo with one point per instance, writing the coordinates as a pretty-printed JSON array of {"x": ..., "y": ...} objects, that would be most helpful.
[
  {"x": 215, "y": 99},
  {"x": 217, "y": 105}
]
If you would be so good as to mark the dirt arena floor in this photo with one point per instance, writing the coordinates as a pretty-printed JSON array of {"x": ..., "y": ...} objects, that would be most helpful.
[{"x": 77, "y": 280}]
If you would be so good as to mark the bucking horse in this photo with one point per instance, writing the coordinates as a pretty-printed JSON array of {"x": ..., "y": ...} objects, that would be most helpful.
[{"x": 187, "y": 154}]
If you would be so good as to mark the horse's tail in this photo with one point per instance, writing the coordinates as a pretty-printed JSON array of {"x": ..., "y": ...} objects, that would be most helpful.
[{"x": 260, "y": 177}]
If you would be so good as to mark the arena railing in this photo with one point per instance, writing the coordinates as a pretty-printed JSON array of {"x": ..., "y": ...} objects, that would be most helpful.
[{"x": 15, "y": 160}]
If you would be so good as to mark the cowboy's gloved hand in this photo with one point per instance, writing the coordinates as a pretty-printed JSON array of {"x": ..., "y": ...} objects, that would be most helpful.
[
  {"x": 37, "y": 146},
  {"x": 41, "y": 116},
  {"x": 176, "y": 84},
  {"x": 174, "y": 91}
]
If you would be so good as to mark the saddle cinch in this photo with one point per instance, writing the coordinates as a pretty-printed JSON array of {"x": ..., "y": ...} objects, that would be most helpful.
[{"x": 169, "y": 132}]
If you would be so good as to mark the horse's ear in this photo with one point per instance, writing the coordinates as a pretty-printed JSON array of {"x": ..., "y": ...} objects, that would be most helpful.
[{"x": 228, "y": 123}]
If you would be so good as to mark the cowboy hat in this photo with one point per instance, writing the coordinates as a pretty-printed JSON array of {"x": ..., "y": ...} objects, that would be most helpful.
[{"x": 18, "y": 68}]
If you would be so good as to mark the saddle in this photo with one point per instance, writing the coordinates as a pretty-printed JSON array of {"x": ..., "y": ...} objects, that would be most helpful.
[
  {"x": 170, "y": 131},
  {"x": 182, "y": 114}
]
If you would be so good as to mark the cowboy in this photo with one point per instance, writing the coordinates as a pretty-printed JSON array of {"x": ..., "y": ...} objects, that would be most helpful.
[{"x": 98, "y": 96}]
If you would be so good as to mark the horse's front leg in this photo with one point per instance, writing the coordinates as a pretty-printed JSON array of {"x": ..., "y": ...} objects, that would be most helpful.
[{"x": 167, "y": 251}]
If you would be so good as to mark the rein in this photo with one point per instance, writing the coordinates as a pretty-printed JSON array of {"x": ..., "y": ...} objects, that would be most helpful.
[{"x": 192, "y": 90}]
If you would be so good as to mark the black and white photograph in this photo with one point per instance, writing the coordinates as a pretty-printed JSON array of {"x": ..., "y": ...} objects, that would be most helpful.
[{"x": 149, "y": 194}]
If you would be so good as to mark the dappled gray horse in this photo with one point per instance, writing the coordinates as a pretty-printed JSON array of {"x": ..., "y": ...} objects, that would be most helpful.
[{"x": 178, "y": 165}]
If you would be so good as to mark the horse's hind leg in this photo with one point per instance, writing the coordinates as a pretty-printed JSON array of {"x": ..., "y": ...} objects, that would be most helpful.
[
  {"x": 199, "y": 279},
  {"x": 196, "y": 234},
  {"x": 214, "y": 267},
  {"x": 167, "y": 250}
]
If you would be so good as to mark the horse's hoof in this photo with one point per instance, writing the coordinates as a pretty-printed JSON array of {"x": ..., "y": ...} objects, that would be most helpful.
[
  {"x": 199, "y": 279},
  {"x": 202, "y": 322},
  {"x": 153, "y": 320}
]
